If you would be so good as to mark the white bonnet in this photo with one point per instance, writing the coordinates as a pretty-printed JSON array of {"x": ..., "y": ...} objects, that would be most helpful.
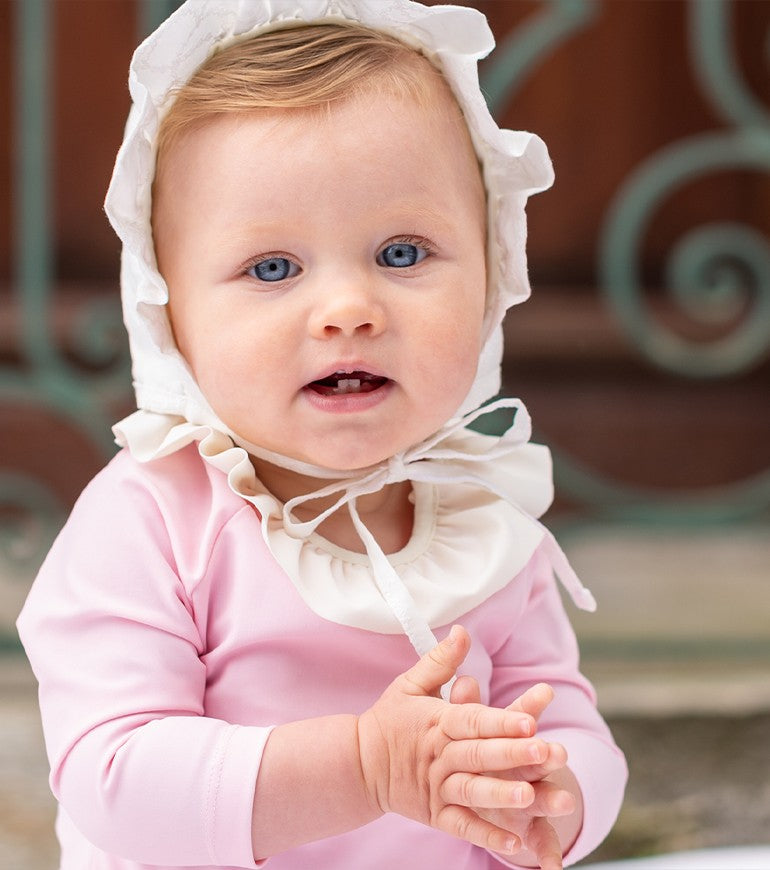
[{"x": 515, "y": 164}]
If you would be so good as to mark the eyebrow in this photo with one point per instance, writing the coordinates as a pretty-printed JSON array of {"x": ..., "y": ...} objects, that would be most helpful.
[
  {"x": 429, "y": 214},
  {"x": 397, "y": 214}
]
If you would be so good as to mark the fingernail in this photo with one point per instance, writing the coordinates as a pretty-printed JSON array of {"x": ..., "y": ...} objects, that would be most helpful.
[
  {"x": 536, "y": 752},
  {"x": 452, "y": 637},
  {"x": 511, "y": 845},
  {"x": 525, "y": 727}
]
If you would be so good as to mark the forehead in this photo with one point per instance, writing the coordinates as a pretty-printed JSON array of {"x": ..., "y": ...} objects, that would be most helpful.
[
  {"x": 248, "y": 82},
  {"x": 416, "y": 138},
  {"x": 304, "y": 67}
]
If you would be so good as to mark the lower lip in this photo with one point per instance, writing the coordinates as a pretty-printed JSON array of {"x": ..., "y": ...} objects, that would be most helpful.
[{"x": 348, "y": 403}]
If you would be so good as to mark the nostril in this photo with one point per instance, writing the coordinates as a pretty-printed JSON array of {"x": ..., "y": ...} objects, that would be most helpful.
[{"x": 360, "y": 328}]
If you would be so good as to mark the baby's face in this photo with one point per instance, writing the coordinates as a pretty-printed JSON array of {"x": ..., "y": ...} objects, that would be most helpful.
[{"x": 327, "y": 274}]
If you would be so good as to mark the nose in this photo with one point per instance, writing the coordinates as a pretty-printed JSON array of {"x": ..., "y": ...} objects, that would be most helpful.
[{"x": 346, "y": 308}]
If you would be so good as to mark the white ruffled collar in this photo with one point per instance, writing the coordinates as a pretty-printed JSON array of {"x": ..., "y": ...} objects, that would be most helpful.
[{"x": 389, "y": 593}]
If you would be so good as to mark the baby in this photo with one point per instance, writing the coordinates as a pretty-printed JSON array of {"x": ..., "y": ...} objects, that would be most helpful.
[{"x": 235, "y": 634}]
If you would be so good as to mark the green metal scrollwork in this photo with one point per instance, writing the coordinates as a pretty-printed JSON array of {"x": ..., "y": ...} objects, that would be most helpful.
[
  {"x": 47, "y": 378},
  {"x": 715, "y": 273},
  {"x": 716, "y": 268},
  {"x": 711, "y": 270},
  {"x": 526, "y": 46},
  {"x": 35, "y": 519},
  {"x": 152, "y": 13},
  {"x": 711, "y": 45},
  {"x": 718, "y": 273}
]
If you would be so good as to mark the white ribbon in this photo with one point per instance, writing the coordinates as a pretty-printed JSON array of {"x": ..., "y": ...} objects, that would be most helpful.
[{"x": 430, "y": 462}]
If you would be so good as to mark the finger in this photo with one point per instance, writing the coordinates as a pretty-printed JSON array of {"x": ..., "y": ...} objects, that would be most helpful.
[
  {"x": 437, "y": 666},
  {"x": 492, "y": 754},
  {"x": 464, "y": 823},
  {"x": 534, "y": 700},
  {"x": 550, "y": 800},
  {"x": 555, "y": 760},
  {"x": 543, "y": 841},
  {"x": 486, "y": 792},
  {"x": 465, "y": 691},
  {"x": 476, "y": 721}
]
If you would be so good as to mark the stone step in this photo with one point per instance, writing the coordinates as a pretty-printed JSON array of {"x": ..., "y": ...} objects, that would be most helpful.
[{"x": 683, "y": 623}]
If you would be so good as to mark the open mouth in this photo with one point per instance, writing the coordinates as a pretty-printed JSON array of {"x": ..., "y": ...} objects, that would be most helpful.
[{"x": 344, "y": 383}]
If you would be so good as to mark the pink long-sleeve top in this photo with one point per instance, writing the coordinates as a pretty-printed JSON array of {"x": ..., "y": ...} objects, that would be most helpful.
[{"x": 167, "y": 641}]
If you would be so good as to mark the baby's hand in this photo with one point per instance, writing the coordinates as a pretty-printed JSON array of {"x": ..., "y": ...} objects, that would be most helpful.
[
  {"x": 538, "y": 835},
  {"x": 425, "y": 758},
  {"x": 538, "y": 825}
]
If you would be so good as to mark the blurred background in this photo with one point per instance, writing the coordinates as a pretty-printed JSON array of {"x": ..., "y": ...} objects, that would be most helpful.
[{"x": 643, "y": 356}]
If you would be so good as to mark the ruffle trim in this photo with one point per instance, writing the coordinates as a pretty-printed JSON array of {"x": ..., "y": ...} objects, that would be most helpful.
[{"x": 459, "y": 532}]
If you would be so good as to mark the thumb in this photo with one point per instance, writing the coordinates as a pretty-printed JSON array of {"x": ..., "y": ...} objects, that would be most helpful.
[
  {"x": 437, "y": 666},
  {"x": 533, "y": 701},
  {"x": 465, "y": 690}
]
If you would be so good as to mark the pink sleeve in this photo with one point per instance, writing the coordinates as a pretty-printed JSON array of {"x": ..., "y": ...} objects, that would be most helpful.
[
  {"x": 543, "y": 648},
  {"x": 111, "y": 634}
]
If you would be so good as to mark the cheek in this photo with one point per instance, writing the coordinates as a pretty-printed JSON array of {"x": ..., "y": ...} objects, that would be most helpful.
[
  {"x": 199, "y": 338},
  {"x": 464, "y": 324},
  {"x": 192, "y": 338},
  {"x": 465, "y": 358},
  {"x": 239, "y": 354},
  {"x": 453, "y": 343}
]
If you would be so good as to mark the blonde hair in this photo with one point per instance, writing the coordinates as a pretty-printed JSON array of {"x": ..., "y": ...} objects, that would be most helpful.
[{"x": 299, "y": 67}]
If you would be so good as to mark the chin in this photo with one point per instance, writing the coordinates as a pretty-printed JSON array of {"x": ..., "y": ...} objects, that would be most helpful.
[
  {"x": 347, "y": 460},
  {"x": 346, "y": 464}
]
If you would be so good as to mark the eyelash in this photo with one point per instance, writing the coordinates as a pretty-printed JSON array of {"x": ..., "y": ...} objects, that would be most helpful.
[
  {"x": 262, "y": 258},
  {"x": 417, "y": 241}
]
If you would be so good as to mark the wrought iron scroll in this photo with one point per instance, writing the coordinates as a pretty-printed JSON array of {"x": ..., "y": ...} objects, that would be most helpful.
[
  {"x": 78, "y": 386},
  {"x": 712, "y": 272},
  {"x": 715, "y": 268}
]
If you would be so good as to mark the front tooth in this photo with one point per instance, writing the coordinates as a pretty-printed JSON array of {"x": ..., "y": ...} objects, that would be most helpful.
[{"x": 348, "y": 385}]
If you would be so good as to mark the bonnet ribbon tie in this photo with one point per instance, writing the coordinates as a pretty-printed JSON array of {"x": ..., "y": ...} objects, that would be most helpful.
[{"x": 433, "y": 461}]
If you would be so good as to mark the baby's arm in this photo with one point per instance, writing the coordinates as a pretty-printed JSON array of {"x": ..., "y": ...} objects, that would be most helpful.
[
  {"x": 411, "y": 753},
  {"x": 541, "y": 647}
]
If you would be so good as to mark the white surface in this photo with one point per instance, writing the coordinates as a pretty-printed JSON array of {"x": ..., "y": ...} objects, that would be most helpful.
[{"x": 738, "y": 858}]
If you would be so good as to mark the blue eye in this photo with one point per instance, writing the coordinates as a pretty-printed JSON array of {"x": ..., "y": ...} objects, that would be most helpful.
[
  {"x": 401, "y": 255},
  {"x": 273, "y": 269}
]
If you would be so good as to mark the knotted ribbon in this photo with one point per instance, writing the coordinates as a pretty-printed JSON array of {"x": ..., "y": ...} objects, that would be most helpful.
[{"x": 434, "y": 461}]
